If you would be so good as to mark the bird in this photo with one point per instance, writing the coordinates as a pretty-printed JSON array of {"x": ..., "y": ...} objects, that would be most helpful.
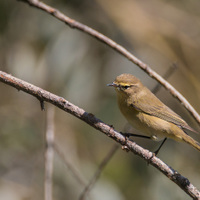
[{"x": 146, "y": 113}]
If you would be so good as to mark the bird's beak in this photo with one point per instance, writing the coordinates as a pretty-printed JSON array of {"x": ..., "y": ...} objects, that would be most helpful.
[{"x": 112, "y": 84}]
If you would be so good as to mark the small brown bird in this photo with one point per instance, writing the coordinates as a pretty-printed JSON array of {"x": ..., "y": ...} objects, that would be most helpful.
[{"x": 145, "y": 112}]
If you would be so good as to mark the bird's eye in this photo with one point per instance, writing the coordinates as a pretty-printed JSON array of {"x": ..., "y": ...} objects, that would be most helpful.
[{"x": 125, "y": 87}]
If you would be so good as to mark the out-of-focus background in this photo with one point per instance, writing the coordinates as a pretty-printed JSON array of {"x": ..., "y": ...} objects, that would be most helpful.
[{"x": 38, "y": 48}]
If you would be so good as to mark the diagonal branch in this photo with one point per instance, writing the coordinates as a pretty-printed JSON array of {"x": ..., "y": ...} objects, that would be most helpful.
[
  {"x": 75, "y": 24},
  {"x": 43, "y": 95},
  {"x": 97, "y": 174}
]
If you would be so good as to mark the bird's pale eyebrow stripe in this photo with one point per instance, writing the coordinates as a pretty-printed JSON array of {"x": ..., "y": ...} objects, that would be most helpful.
[{"x": 125, "y": 84}]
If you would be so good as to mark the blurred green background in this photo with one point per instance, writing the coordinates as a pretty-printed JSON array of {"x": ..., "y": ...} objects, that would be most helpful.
[{"x": 38, "y": 48}]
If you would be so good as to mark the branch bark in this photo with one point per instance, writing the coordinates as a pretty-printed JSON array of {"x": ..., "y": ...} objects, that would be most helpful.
[
  {"x": 60, "y": 102},
  {"x": 75, "y": 24}
]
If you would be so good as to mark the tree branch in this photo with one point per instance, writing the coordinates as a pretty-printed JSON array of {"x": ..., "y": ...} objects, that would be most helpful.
[
  {"x": 43, "y": 95},
  {"x": 75, "y": 24},
  {"x": 97, "y": 174}
]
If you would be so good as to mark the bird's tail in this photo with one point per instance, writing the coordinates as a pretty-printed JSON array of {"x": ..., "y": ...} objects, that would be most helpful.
[{"x": 186, "y": 138}]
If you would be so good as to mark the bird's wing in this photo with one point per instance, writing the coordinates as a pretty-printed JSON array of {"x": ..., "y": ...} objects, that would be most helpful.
[{"x": 158, "y": 109}]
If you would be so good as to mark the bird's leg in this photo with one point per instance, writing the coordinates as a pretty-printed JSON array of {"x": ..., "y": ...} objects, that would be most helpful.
[
  {"x": 127, "y": 135},
  {"x": 146, "y": 137},
  {"x": 135, "y": 135},
  {"x": 156, "y": 152}
]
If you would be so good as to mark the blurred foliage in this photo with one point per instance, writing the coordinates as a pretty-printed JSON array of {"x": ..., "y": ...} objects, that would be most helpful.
[{"x": 38, "y": 48}]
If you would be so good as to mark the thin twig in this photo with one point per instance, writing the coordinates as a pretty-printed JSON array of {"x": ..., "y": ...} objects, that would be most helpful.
[
  {"x": 49, "y": 153},
  {"x": 98, "y": 172},
  {"x": 167, "y": 74},
  {"x": 75, "y": 24},
  {"x": 96, "y": 123},
  {"x": 70, "y": 166}
]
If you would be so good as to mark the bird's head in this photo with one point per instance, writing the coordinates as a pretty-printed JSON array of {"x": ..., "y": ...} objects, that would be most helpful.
[{"x": 126, "y": 84}]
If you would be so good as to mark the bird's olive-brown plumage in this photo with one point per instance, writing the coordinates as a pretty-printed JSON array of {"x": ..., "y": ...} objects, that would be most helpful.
[{"x": 145, "y": 112}]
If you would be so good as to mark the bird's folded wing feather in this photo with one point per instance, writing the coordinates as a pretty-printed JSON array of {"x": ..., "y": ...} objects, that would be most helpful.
[{"x": 158, "y": 109}]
